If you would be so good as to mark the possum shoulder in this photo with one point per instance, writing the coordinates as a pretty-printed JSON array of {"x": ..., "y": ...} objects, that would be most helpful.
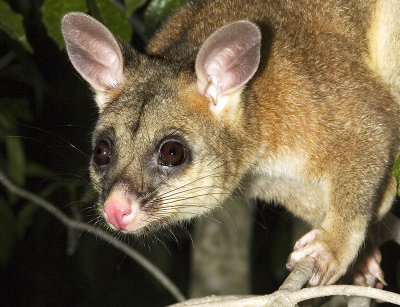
[{"x": 184, "y": 32}]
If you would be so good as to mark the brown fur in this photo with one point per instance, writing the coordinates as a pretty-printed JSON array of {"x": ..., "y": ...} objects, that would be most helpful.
[{"x": 316, "y": 129}]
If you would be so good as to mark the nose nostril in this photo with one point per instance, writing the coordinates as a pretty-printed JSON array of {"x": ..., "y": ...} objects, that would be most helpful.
[
  {"x": 127, "y": 217},
  {"x": 118, "y": 214},
  {"x": 125, "y": 212},
  {"x": 121, "y": 210}
]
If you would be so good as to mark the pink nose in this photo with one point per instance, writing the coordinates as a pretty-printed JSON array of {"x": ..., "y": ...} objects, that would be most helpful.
[
  {"x": 117, "y": 215},
  {"x": 120, "y": 209}
]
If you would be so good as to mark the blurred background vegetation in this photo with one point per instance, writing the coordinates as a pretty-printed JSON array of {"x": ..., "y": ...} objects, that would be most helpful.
[{"x": 46, "y": 116}]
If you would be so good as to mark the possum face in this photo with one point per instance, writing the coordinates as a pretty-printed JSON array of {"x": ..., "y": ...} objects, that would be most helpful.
[
  {"x": 165, "y": 147},
  {"x": 156, "y": 158}
]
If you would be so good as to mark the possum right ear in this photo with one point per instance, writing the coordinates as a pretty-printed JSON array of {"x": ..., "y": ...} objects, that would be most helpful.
[
  {"x": 93, "y": 51},
  {"x": 226, "y": 61}
]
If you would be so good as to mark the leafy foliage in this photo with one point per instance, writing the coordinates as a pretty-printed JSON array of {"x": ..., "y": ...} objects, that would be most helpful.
[
  {"x": 53, "y": 11},
  {"x": 114, "y": 19},
  {"x": 133, "y": 5},
  {"x": 11, "y": 23},
  {"x": 158, "y": 10}
]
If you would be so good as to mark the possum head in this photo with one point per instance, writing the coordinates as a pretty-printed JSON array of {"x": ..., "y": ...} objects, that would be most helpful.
[{"x": 169, "y": 144}]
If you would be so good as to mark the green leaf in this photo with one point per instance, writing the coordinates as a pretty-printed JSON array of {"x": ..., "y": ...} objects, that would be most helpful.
[
  {"x": 114, "y": 19},
  {"x": 133, "y": 5},
  {"x": 16, "y": 160},
  {"x": 53, "y": 11},
  {"x": 396, "y": 173},
  {"x": 11, "y": 23},
  {"x": 7, "y": 232},
  {"x": 158, "y": 10}
]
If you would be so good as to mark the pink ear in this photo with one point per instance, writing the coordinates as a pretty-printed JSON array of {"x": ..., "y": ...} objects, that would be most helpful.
[
  {"x": 93, "y": 51},
  {"x": 228, "y": 59}
]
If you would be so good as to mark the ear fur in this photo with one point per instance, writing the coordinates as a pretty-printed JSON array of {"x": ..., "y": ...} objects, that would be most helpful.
[
  {"x": 93, "y": 51},
  {"x": 227, "y": 60}
]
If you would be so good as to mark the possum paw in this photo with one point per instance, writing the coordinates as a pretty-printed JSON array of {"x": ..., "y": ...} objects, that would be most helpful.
[
  {"x": 327, "y": 268},
  {"x": 367, "y": 270}
]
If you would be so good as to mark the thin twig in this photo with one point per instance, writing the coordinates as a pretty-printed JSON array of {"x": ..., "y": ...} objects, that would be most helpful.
[
  {"x": 347, "y": 290},
  {"x": 163, "y": 279},
  {"x": 358, "y": 301},
  {"x": 299, "y": 276}
]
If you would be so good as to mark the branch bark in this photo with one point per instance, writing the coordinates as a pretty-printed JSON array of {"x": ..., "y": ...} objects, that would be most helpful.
[
  {"x": 221, "y": 251},
  {"x": 287, "y": 298},
  {"x": 290, "y": 292}
]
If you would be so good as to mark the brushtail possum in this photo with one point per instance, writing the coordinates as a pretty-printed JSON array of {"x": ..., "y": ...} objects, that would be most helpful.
[{"x": 289, "y": 101}]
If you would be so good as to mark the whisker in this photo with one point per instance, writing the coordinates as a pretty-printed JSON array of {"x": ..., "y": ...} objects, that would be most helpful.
[
  {"x": 45, "y": 145},
  {"x": 193, "y": 196},
  {"x": 186, "y": 231},
  {"x": 73, "y": 203},
  {"x": 177, "y": 188},
  {"x": 189, "y": 190},
  {"x": 192, "y": 182},
  {"x": 56, "y": 136}
]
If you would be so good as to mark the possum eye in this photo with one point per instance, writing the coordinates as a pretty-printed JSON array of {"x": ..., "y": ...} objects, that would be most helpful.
[
  {"x": 171, "y": 153},
  {"x": 102, "y": 153}
]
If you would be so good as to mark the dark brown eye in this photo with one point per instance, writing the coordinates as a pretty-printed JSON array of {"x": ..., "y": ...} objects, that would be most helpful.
[
  {"x": 172, "y": 153},
  {"x": 102, "y": 153}
]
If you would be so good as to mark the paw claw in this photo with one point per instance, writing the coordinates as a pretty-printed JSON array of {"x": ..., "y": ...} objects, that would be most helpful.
[
  {"x": 367, "y": 269},
  {"x": 375, "y": 270}
]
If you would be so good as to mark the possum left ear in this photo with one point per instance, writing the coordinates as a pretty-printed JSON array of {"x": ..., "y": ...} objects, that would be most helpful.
[
  {"x": 227, "y": 60},
  {"x": 94, "y": 52}
]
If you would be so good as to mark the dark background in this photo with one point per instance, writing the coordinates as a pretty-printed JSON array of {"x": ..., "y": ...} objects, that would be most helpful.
[{"x": 49, "y": 119}]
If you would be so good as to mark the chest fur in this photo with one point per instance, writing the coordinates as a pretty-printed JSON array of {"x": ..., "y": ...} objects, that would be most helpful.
[{"x": 284, "y": 180}]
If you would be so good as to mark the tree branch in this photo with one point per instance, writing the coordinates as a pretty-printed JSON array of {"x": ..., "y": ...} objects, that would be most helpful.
[
  {"x": 299, "y": 276},
  {"x": 288, "y": 298},
  {"x": 290, "y": 292},
  {"x": 72, "y": 224},
  {"x": 358, "y": 301}
]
